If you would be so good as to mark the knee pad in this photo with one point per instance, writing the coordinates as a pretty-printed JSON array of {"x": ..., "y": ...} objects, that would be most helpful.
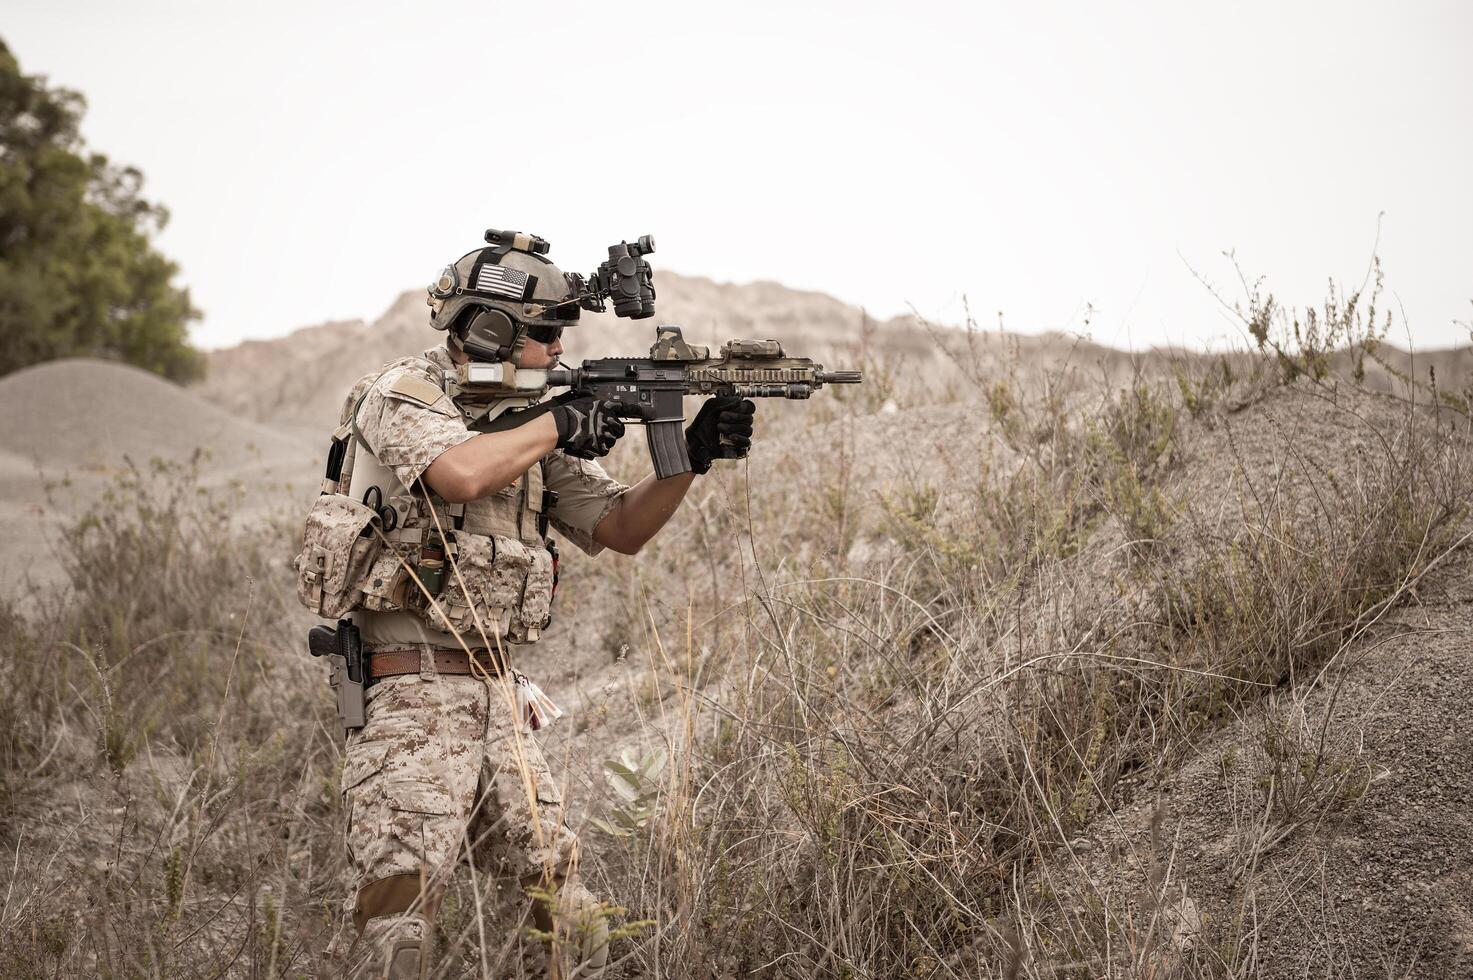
[
  {"x": 399, "y": 947},
  {"x": 406, "y": 961}
]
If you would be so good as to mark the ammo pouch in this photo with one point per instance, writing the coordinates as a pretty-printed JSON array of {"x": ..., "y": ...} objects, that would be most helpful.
[
  {"x": 496, "y": 581},
  {"x": 339, "y": 547},
  {"x": 388, "y": 587}
]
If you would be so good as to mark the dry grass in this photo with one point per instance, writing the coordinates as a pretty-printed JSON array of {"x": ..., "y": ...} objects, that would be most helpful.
[
  {"x": 872, "y": 792},
  {"x": 169, "y": 769},
  {"x": 890, "y": 708}
]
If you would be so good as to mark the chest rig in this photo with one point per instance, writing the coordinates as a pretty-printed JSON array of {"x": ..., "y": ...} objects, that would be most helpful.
[{"x": 487, "y": 564}]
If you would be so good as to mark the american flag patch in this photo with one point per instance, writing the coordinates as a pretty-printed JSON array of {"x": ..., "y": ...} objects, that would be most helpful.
[{"x": 500, "y": 282}]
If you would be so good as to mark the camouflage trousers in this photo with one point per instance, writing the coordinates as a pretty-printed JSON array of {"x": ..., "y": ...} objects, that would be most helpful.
[{"x": 439, "y": 776}]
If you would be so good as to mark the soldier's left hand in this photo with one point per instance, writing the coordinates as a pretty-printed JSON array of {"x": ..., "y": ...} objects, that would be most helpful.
[{"x": 722, "y": 429}]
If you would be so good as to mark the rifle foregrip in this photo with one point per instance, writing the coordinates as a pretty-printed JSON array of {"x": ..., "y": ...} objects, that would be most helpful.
[{"x": 667, "y": 449}]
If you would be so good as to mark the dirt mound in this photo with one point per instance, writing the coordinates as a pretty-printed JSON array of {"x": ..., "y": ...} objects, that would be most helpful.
[
  {"x": 1336, "y": 823},
  {"x": 1319, "y": 828},
  {"x": 77, "y": 423},
  {"x": 80, "y": 413}
]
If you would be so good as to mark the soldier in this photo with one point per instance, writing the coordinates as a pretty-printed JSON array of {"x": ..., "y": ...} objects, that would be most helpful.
[{"x": 462, "y": 479}]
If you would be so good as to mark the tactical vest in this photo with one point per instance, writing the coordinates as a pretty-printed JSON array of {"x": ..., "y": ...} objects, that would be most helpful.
[{"x": 372, "y": 543}]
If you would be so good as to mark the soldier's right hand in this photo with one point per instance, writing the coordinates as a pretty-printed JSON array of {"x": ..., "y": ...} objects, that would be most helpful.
[{"x": 586, "y": 428}]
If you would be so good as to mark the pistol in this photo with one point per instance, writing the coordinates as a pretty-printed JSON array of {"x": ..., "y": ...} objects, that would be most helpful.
[{"x": 343, "y": 648}]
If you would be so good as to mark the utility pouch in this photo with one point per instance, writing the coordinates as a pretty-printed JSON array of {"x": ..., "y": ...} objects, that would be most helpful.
[
  {"x": 387, "y": 586},
  {"x": 535, "y": 607},
  {"x": 485, "y": 584},
  {"x": 338, "y": 549}
]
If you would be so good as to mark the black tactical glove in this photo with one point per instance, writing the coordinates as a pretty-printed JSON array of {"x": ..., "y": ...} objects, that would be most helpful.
[
  {"x": 586, "y": 428},
  {"x": 722, "y": 429}
]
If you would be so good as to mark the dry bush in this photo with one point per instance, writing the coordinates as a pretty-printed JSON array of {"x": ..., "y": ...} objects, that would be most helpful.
[
  {"x": 897, "y": 754},
  {"x": 169, "y": 770}
]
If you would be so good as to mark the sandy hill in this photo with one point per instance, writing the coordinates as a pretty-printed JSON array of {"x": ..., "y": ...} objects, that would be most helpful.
[
  {"x": 298, "y": 381},
  {"x": 81, "y": 413},
  {"x": 77, "y": 423}
]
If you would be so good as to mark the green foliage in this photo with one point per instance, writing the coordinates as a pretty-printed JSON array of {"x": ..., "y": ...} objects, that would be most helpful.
[
  {"x": 1130, "y": 442},
  {"x": 1201, "y": 391},
  {"x": 78, "y": 273},
  {"x": 637, "y": 783}
]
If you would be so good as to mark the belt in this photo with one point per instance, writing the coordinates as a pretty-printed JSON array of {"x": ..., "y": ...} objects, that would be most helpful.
[{"x": 392, "y": 663}]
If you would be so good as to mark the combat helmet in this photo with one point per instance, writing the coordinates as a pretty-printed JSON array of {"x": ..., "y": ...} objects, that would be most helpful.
[{"x": 491, "y": 298}]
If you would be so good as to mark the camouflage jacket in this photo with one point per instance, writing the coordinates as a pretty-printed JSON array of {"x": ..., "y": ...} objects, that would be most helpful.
[{"x": 501, "y": 577}]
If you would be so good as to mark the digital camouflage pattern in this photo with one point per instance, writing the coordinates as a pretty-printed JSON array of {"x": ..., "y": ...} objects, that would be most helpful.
[
  {"x": 439, "y": 775},
  {"x": 499, "y": 578},
  {"x": 504, "y": 581},
  {"x": 335, "y": 556},
  {"x": 408, "y": 434},
  {"x": 408, "y": 425}
]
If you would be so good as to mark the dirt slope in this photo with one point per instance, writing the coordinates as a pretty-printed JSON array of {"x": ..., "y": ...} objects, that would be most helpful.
[
  {"x": 1332, "y": 815},
  {"x": 1380, "y": 885},
  {"x": 1387, "y": 873},
  {"x": 79, "y": 413}
]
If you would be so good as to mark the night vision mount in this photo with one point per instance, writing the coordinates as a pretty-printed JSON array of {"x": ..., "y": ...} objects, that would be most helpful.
[{"x": 625, "y": 278}]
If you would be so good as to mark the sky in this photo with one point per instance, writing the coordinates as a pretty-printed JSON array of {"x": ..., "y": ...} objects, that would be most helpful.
[{"x": 1050, "y": 166}]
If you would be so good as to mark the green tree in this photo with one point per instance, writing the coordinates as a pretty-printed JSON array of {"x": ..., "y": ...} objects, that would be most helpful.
[{"x": 78, "y": 273}]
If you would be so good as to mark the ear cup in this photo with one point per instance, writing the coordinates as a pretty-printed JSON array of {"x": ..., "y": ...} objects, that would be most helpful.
[{"x": 490, "y": 335}]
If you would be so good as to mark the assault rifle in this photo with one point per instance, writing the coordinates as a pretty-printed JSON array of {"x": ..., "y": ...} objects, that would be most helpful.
[
  {"x": 344, "y": 651},
  {"x": 649, "y": 391}
]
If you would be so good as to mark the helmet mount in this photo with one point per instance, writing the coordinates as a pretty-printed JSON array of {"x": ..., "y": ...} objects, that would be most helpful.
[{"x": 491, "y": 298}]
